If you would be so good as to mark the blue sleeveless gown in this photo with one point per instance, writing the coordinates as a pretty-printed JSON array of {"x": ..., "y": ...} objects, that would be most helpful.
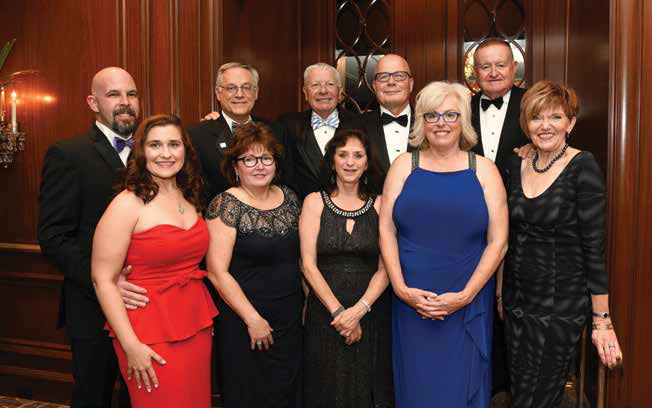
[{"x": 441, "y": 221}]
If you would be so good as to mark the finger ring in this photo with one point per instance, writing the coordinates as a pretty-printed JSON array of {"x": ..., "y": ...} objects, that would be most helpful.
[
  {"x": 259, "y": 342},
  {"x": 612, "y": 346}
]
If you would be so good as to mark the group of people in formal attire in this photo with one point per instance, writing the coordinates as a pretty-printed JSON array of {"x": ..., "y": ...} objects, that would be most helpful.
[{"x": 338, "y": 260}]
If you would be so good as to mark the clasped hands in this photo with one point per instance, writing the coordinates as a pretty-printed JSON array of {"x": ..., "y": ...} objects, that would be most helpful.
[
  {"x": 431, "y": 305},
  {"x": 347, "y": 323}
]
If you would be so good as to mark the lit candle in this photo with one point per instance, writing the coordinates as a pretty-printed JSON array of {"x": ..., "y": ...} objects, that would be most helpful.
[
  {"x": 2, "y": 105},
  {"x": 14, "y": 123}
]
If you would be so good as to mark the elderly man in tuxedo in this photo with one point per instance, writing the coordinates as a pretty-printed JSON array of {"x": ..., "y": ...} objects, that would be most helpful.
[
  {"x": 236, "y": 89},
  {"x": 389, "y": 127},
  {"x": 306, "y": 133},
  {"x": 76, "y": 187},
  {"x": 495, "y": 111},
  {"x": 495, "y": 116}
]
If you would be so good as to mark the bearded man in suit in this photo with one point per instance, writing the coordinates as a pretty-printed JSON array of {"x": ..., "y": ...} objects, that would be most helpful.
[
  {"x": 389, "y": 127},
  {"x": 76, "y": 187},
  {"x": 307, "y": 133}
]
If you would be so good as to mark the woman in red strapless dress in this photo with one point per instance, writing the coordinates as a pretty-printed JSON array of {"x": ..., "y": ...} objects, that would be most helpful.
[{"x": 163, "y": 349}]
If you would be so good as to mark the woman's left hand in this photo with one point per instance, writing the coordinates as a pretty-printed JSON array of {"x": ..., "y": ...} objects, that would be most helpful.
[
  {"x": 346, "y": 321},
  {"x": 355, "y": 335},
  {"x": 606, "y": 343},
  {"x": 449, "y": 303}
]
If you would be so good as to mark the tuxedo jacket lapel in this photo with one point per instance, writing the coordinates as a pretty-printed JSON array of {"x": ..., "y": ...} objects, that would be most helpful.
[
  {"x": 106, "y": 151},
  {"x": 475, "y": 122},
  {"x": 308, "y": 147},
  {"x": 511, "y": 127},
  {"x": 375, "y": 127}
]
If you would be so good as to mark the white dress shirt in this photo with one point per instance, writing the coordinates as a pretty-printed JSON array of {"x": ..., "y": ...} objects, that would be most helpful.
[
  {"x": 110, "y": 134},
  {"x": 491, "y": 125},
  {"x": 396, "y": 136},
  {"x": 324, "y": 134}
]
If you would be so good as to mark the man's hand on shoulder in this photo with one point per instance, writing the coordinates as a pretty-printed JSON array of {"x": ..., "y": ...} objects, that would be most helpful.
[
  {"x": 211, "y": 116},
  {"x": 525, "y": 152}
]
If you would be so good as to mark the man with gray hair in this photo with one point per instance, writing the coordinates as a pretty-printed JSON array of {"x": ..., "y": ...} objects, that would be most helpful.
[
  {"x": 236, "y": 89},
  {"x": 306, "y": 133}
]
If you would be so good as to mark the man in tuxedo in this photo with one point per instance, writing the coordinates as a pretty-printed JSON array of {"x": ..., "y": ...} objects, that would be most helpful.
[
  {"x": 306, "y": 133},
  {"x": 495, "y": 114},
  {"x": 389, "y": 128},
  {"x": 76, "y": 187},
  {"x": 236, "y": 89},
  {"x": 495, "y": 111}
]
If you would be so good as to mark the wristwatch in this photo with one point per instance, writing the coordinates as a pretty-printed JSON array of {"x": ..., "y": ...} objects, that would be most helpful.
[{"x": 603, "y": 315}]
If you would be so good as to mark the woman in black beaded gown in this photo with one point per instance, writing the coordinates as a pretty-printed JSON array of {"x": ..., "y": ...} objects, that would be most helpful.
[
  {"x": 347, "y": 330},
  {"x": 555, "y": 272},
  {"x": 253, "y": 261}
]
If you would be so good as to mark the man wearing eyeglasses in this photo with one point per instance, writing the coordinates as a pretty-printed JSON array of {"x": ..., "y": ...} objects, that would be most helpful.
[
  {"x": 236, "y": 89},
  {"x": 389, "y": 127},
  {"x": 307, "y": 132}
]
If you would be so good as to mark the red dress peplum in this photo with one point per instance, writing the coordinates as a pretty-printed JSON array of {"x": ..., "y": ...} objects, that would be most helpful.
[{"x": 177, "y": 322}]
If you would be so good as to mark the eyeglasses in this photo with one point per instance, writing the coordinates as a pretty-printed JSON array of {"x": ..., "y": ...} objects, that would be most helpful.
[
  {"x": 449, "y": 117},
  {"x": 246, "y": 89},
  {"x": 252, "y": 161},
  {"x": 330, "y": 86},
  {"x": 398, "y": 76}
]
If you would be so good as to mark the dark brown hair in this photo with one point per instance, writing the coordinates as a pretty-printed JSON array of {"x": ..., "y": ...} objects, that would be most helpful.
[
  {"x": 246, "y": 136},
  {"x": 374, "y": 179},
  {"x": 139, "y": 180},
  {"x": 546, "y": 95}
]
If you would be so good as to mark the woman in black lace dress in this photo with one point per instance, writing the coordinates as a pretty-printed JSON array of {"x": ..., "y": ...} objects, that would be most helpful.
[
  {"x": 555, "y": 272},
  {"x": 347, "y": 340},
  {"x": 253, "y": 261}
]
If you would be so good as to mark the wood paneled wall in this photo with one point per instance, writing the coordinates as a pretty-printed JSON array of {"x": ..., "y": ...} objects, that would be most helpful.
[{"x": 172, "y": 48}]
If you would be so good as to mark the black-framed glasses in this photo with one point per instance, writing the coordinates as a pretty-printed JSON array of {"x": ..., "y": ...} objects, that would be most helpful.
[
  {"x": 246, "y": 89},
  {"x": 449, "y": 116},
  {"x": 252, "y": 161},
  {"x": 398, "y": 76}
]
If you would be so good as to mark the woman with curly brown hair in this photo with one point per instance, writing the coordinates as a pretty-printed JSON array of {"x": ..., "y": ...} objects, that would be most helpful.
[{"x": 155, "y": 225}]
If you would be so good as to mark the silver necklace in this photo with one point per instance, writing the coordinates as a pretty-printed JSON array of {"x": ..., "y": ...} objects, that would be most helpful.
[
  {"x": 181, "y": 209},
  {"x": 543, "y": 170}
]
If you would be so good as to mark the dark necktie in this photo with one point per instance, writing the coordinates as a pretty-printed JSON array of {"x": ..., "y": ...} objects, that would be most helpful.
[
  {"x": 387, "y": 119},
  {"x": 486, "y": 103},
  {"x": 119, "y": 143}
]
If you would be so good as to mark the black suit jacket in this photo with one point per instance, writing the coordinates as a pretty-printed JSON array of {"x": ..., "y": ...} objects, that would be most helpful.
[
  {"x": 511, "y": 135},
  {"x": 371, "y": 123},
  {"x": 304, "y": 154},
  {"x": 76, "y": 187},
  {"x": 210, "y": 139}
]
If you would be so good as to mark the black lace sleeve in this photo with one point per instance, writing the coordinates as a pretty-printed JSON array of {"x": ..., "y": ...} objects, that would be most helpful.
[
  {"x": 226, "y": 207},
  {"x": 591, "y": 213}
]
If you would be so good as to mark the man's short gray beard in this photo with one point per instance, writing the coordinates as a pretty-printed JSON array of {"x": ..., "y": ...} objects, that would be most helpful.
[{"x": 124, "y": 129}]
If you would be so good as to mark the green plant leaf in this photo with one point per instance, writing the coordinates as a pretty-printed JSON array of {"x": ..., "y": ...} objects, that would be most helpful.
[{"x": 5, "y": 51}]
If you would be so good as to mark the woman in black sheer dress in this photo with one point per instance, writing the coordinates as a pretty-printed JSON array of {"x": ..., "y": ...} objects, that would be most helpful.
[
  {"x": 253, "y": 261},
  {"x": 555, "y": 273},
  {"x": 347, "y": 331}
]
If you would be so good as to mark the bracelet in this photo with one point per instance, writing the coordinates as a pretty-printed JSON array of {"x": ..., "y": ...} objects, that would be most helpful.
[
  {"x": 603, "y": 315},
  {"x": 364, "y": 302},
  {"x": 337, "y": 312},
  {"x": 603, "y": 326}
]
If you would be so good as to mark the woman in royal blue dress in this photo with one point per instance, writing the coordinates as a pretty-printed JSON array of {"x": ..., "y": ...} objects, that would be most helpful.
[{"x": 443, "y": 233}]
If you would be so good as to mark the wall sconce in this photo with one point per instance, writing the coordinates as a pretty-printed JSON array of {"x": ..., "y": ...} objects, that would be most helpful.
[{"x": 12, "y": 140}]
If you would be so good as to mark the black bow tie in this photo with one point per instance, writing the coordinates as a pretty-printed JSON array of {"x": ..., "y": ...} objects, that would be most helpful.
[
  {"x": 387, "y": 119},
  {"x": 486, "y": 103}
]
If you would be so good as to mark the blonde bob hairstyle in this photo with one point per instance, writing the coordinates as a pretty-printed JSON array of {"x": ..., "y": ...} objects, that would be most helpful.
[
  {"x": 429, "y": 99},
  {"x": 546, "y": 95}
]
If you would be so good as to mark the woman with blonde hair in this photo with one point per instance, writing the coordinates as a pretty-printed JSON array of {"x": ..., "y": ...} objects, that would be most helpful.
[{"x": 443, "y": 233}]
